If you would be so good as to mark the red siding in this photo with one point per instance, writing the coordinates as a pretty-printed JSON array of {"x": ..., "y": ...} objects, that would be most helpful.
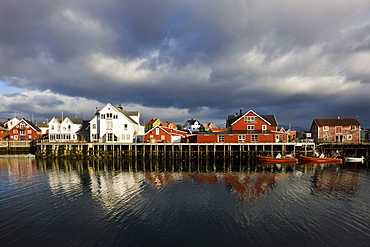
[
  {"x": 164, "y": 134},
  {"x": 242, "y": 123},
  {"x": 24, "y": 133},
  {"x": 233, "y": 138}
]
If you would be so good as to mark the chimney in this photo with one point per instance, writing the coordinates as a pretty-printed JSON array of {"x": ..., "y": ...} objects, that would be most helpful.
[
  {"x": 241, "y": 111},
  {"x": 338, "y": 117},
  {"x": 120, "y": 107}
]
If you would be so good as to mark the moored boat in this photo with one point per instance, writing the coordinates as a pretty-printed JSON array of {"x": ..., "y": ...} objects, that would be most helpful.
[
  {"x": 320, "y": 159},
  {"x": 267, "y": 159},
  {"x": 354, "y": 159}
]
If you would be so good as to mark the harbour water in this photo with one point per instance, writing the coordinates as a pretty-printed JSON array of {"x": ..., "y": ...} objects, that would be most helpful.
[{"x": 121, "y": 203}]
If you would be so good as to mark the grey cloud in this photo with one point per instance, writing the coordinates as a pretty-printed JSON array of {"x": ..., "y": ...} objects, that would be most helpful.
[{"x": 191, "y": 55}]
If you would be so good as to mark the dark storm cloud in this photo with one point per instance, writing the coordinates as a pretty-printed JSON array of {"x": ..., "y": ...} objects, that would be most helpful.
[{"x": 208, "y": 58}]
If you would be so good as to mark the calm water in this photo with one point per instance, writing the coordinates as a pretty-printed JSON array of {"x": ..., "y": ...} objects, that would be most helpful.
[{"x": 80, "y": 203}]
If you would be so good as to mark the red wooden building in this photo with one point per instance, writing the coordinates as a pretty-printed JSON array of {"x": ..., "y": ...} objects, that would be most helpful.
[
  {"x": 4, "y": 133},
  {"x": 25, "y": 130},
  {"x": 340, "y": 130},
  {"x": 245, "y": 128},
  {"x": 164, "y": 134}
]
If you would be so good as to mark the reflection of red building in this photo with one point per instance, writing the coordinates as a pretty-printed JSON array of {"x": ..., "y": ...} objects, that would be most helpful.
[
  {"x": 333, "y": 181},
  {"x": 249, "y": 188},
  {"x": 19, "y": 169},
  {"x": 204, "y": 178},
  {"x": 159, "y": 180}
]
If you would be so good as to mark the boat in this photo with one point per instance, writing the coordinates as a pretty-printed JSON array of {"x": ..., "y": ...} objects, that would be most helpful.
[
  {"x": 354, "y": 159},
  {"x": 320, "y": 159},
  {"x": 277, "y": 159}
]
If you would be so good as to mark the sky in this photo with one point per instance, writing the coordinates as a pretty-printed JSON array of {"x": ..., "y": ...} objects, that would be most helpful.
[{"x": 186, "y": 59}]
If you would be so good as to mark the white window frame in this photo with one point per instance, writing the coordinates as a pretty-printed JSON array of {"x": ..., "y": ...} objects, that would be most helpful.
[
  {"x": 254, "y": 138},
  {"x": 241, "y": 138},
  {"x": 220, "y": 138}
]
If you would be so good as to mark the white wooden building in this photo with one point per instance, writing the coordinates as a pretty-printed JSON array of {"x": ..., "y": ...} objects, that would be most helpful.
[
  {"x": 64, "y": 130},
  {"x": 113, "y": 124}
]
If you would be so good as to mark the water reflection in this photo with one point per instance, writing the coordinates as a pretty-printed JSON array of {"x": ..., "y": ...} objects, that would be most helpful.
[
  {"x": 110, "y": 202},
  {"x": 18, "y": 169},
  {"x": 114, "y": 180}
]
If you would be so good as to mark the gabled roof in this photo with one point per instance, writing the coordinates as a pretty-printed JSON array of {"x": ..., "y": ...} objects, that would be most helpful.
[
  {"x": 336, "y": 122},
  {"x": 168, "y": 131},
  {"x": 84, "y": 127},
  {"x": 30, "y": 124},
  {"x": 152, "y": 121},
  {"x": 125, "y": 113},
  {"x": 59, "y": 120},
  {"x": 75, "y": 120},
  {"x": 269, "y": 119},
  {"x": 192, "y": 121},
  {"x": 42, "y": 125}
]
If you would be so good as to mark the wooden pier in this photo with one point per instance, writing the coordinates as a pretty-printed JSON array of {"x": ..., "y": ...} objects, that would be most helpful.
[{"x": 169, "y": 150}]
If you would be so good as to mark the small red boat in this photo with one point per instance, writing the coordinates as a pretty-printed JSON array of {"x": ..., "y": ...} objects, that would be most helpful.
[
  {"x": 319, "y": 159},
  {"x": 276, "y": 160}
]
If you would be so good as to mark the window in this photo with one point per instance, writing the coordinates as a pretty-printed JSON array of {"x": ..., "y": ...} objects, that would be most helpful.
[
  {"x": 109, "y": 126},
  {"x": 326, "y": 128},
  {"x": 241, "y": 138},
  {"x": 353, "y": 127},
  {"x": 349, "y": 137},
  {"x": 102, "y": 116},
  {"x": 254, "y": 138},
  {"x": 126, "y": 137},
  {"x": 69, "y": 127},
  {"x": 15, "y": 137},
  {"x": 338, "y": 129},
  {"x": 94, "y": 126},
  {"x": 109, "y": 137},
  {"x": 157, "y": 131},
  {"x": 264, "y": 127},
  {"x": 22, "y": 132},
  {"x": 29, "y": 131},
  {"x": 22, "y": 125},
  {"x": 221, "y": 138},
  {"x": 109, "y": 115},
  {"x": 125, "y": 126},
  {"x": 250, "y": 127},
  {"x": 52, "y": 127},
  {"x": 15, "y": 131},
  {"x": 163, "y": 137},
  {"x": 326, "y": 137},
  {"x": 250, "y": 119}
]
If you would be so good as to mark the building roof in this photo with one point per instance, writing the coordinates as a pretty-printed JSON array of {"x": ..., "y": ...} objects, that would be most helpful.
[
  {"x": 42, "y": 125},
  {"x": 31, "y": 124},
  {"x": 230, "y": 119},
  {"x": 76, "y": 120},
  {"x": 337, "y": 121},
  {"x": 192, "y": 121},
  {"x": 85, "y": 126},
  {"x": 152, "y": 121}
]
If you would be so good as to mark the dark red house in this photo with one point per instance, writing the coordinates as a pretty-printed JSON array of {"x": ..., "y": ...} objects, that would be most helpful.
[
  {"x": 25, "y": 130},
  {"x": 245, "y": 128},
  {"x": 4, "y": 133},
  {"x": 164, "y": 134}
]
